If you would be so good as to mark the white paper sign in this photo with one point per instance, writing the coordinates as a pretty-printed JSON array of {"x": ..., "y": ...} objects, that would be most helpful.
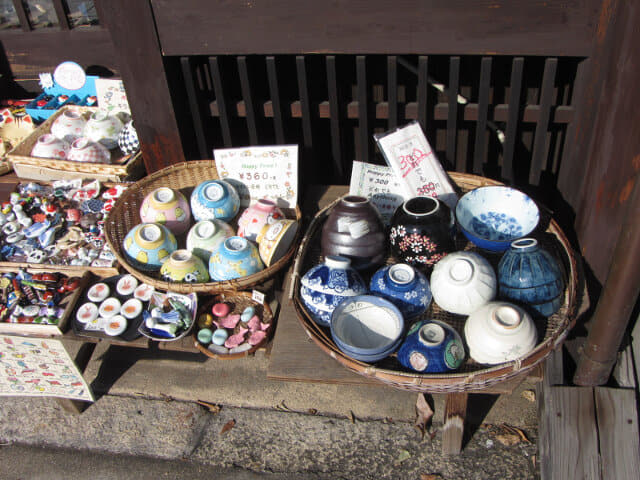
[
  {"x": 409, "y": 154},
  {"x": 261, "y": 172},
  {"x": 112, "y": 95},
  {"x": 379, "y": 184}
]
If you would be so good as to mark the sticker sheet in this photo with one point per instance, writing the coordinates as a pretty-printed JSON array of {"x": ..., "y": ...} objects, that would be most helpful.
[
  {"x": 379, "y": 184},
  {"x": 261, "y": 172},
  {"x": 112, "y": 95},
  {"x": 38, "y": 367}
]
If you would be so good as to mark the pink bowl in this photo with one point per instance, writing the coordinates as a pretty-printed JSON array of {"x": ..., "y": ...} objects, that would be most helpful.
[
  {"x": 85, "y": 151},
  {"x": 48, "y": 146}
]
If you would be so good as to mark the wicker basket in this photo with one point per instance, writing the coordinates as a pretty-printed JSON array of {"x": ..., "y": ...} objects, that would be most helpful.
[
  {"x": 184, "y": 176},
  {"x": 471, "y": 376},
  {"x": 121, "y": 169},
  {"x": 238, "y": 301}
]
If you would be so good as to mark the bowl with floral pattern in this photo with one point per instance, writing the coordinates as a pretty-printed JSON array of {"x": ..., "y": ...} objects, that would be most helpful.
[{"x": 494, "y": 216}]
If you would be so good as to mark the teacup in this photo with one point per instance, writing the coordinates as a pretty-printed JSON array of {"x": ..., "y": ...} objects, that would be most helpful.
[
  {"x": 274, "y": 240},
  {"x": 49, "y": 146}
]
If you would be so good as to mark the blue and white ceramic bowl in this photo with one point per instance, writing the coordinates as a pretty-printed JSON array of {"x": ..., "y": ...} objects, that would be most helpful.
[
  {"x": 236, "y": 257},
  {"x": 325, "y": 286},
  {"x": 149, "y": 245},
  {"x": 432, "y": 347},
  {"x": 492, "y": 217},
  {"x": 367, "y": 328},
  {"x": 407, "y": 288},
  {"x": 215, "y": 199}
]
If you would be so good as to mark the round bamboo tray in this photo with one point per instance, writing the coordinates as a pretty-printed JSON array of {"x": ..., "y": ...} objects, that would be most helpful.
[
  {"x": 238, "y": 301},
  {"x": 471, "y": 376},
  {"x": 184, "y": 177}
]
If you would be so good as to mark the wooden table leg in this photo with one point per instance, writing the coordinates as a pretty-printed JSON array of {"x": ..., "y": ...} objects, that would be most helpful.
[{"x": 455, "y": 411}]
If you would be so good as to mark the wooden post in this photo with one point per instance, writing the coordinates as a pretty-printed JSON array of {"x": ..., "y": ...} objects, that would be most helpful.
[
  {"x": 455, "y": 412},
  {"x": 135, "y": 39}
]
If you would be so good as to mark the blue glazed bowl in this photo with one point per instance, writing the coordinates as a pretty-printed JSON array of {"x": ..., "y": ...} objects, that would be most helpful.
[
  {"x": 432, "y": 347},
  {"x": 367, "y": 327},
  {"x": 234, "y": 258},
  {"x": 407, "y": 288},
  {"x": 493, "y": 217},
  {"x": 215, "y": 199},
  {"x": 149, "y": 245},
  {"x": 324, "y": 286}
]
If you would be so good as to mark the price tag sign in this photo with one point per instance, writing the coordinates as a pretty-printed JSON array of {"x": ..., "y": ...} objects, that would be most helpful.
[
  {"x": 379, "y": 184},
  {"x": 261, "y": 172},
  {"x": 257, "y": 296},
  {"x": 70, "y": 75},
  {"x": 408, "y": 153},
  {"x": 111, "y": 95}
]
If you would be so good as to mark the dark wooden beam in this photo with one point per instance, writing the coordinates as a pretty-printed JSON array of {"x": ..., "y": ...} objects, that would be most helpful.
[
  {"x": 22, "y": 15},
  {"x": 135, "y": 40},
  {"x": 61, "y": 13},
  {"x": 499, "y": 27}
]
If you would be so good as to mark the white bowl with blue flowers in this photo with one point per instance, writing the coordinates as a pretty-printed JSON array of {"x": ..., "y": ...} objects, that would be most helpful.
[{"x": 494, "y": 216}]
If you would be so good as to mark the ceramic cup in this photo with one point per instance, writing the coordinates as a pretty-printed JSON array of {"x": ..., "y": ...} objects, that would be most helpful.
[
  {"x": 354, "y": 229},
  {"x": 462, "y": 282},
  {"x": 403, "y": 285},
  {"x": 256, "y": 216},
  {"x": 324, "y": 286},
  {"x": 86, "y": 151},
  {"x": 183, "y": 266},
  {"x": 167, "y": 207},
  {"x": 69, "y": 125},
  {"x": 128, "y": 139},
  {"x": 49, "y": 146},
  {"x": 431, "y": 347},
  {"x": 499, "y": 332},
  {"x": 103, "y": 128},
  {"x": 275, "y": 239},
  {"x": 215, "y": 199},
  {"x": 234, "y": 258},
  {"x": 205, "y": 236},
  {"x": 149, "y": 245}
]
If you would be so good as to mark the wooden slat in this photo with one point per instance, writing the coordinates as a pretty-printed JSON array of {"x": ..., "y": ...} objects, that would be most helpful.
[
  {"x": 221, "y": 102},
  {"x": 274, "y": 93},
  {"x": 392, "y": 91},
  {"x": 500, "y": 27},
  {"x": 540, "y": 140},
  {"x": 245, "y": 86},
  {"x": 455, "y": 412},
  {"x": 335, "y": 114},
  {"x": 194, "y": 105},
  {"x": 484, "y": 88},
  {"x": 423, "y": 91},
  {"x": 22, "y": 15},
  {"x": 452, "y": 117},
  {"x": 569, "y": 448},
  {"x": 617, "y": 417},
  {"x": 305, "y": 103},
  {"x": 512, "y": 122},
  {"x": 61, "y": 13},
  {"x": 363, "y": 110}
]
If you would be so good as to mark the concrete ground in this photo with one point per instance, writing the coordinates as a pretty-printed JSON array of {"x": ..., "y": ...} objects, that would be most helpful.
[{"x": 146, "y": 423}]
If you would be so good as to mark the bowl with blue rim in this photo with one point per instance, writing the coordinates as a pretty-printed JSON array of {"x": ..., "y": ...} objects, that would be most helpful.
[{"x": 494, "y": 216}]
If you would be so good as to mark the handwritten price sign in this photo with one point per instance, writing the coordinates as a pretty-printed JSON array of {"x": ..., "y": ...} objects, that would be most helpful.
[
  {"x": 416, "y": 167},
  {"x": 379, "y": 184}
]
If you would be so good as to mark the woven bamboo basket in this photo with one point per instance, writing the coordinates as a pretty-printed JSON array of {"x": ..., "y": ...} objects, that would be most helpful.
[
  {"x": 184, "y": 177},
  {"x": 471, "y": 376},
  {"x": 121, "y": 168},
  {"x": 238, "y": 301}
]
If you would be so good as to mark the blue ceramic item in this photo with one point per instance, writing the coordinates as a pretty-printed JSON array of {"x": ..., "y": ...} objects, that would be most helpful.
[
  {"x": 215, "y": 199},
  {"x": 324, "y": 286},
  {"x": 431, "y": 347},
  {"x": 493, "y": 217},
  {"x": 234, "y": 258},
  {"x": 149, "y": 245},
  {"x": 529, "y": 274},
  {"x": 406, "y": 287},
  {"x": 367, "y": 328}
]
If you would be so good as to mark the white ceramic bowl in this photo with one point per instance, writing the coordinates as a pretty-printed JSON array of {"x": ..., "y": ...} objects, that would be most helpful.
[
  {"x": 499, "y": 332},
  {"x": 462, "y": 282},
  {"x": 49, "y": 146},
  {"x": 69, "y": 125},
  {"x": 86, "y": 151}
]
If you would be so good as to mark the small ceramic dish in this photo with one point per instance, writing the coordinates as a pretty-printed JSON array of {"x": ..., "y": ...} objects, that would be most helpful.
[
  {"x": 110, "y": 307},
  {"x": 143, "y": 292},
  {"x": 98, "y": 292},
  {"x": 87, "y": 312},
  {"x": 131, "y": 308},
  {"x": 115, "y": 325},
  {"x": 492, "y": 217},
  {"x": 367, "y": 328},
  {"x": 126, "y": 285}
]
